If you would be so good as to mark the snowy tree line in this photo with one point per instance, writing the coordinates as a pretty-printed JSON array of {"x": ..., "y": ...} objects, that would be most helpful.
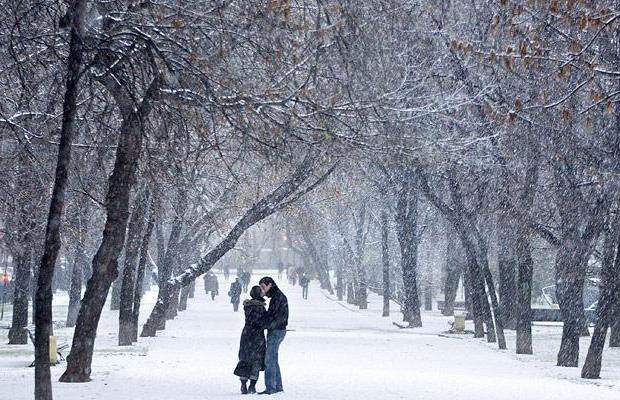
[{"x": 177, "y": 126}]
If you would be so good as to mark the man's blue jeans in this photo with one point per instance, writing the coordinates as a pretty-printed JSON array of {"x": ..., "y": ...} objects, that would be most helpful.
[{"x": 273, "y": 378}]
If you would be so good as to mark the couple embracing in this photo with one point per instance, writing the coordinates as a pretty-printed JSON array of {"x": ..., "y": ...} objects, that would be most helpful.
[{"x": 256, "y": 353}]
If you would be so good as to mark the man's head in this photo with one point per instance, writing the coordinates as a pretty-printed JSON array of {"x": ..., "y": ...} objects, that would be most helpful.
[{"x": 266, "y": 284}]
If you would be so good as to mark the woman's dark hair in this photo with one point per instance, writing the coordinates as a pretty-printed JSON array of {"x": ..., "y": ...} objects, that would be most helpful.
[{"x": 256, "y": 293}]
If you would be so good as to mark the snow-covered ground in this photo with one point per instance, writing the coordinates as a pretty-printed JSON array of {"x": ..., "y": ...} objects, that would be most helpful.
[{"x": 333, "y": 351}]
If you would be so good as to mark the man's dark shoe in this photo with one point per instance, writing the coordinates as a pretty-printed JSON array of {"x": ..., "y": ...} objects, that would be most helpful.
[{"x": 266, "y": 392}]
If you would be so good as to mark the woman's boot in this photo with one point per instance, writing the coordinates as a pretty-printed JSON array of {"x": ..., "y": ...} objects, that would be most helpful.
[
  {"x": 244, "y": 389},
  {"x": 252, "y": 387}
]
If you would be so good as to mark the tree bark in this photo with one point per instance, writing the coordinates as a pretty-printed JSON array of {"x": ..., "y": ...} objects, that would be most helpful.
[
  {"x": 524, "y": 293},
  {"x": 115, "y": 298},
  {"x": 144, "y": 248},
  {"x": 17, "y": 333},
  {"x": 570, "y": 277},
  {"x": 77, "y": 273},
  {"x": 407, "y": 226},
  {"x": 453, "y": 272},
  {"x": 183, "y": 298},
  {"x": 43, "y": 299},
  {"x": 105, "y": 262},
  {"x": 610, "y": 286},
  {"x": 339, "y": 280},
  {"x": 361, "y": 294},
  {"x": 385, "y": 258},
  {"x": 132, "y": 250},
  {"x": 507, "y": 265}
]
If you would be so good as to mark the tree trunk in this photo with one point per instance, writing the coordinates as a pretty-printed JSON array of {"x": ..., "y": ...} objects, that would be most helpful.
[
  {"x": 570, "y": 276},
  {"x": 428, "y": 297},
  {"x": 34, "y": 278},
  {"x": 507, "y": 264},
  {"x": 132, "y": 253},
  {"x": 385, "y": 258},
  {"x": 115, "y": 298},
  {"x": 610, "y": 286},
  {"x": 339, "y": 280},
  {"x": 144, "y": 248},
  {"x": 166, "y": 267},
  {"x": 524, "y": 293},
  {"x": 17, "y": 333},
  {"x": 105, "y": 262},
  {"x": 453, "y": 272},
  {"x": 498, "y": 324},
  {"x": 350, "y": 293},
  {"x": 614, "y": 334},
  {"x": 77, "y": 273},
  {"x": 407, "y": 226},
  {"x": 183, "y": 298},
  {"x": 43, "y": 299},
  {"x": 361, "y": 294}
]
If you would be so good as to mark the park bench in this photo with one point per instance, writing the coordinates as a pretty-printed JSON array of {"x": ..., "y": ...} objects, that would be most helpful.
[{"x": 59, "y": 348}]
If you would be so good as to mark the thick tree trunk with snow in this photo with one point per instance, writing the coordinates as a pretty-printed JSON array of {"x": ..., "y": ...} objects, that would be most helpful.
[
  {"x": 17, "y": 333},
  {"x": 43, "y": 299},
  {"x": 105, "y": 262},
  {"x": 132, "y": 253}
]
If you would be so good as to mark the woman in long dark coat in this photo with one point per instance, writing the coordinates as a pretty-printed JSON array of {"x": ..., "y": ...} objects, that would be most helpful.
[{"x": 252, "y": 345}]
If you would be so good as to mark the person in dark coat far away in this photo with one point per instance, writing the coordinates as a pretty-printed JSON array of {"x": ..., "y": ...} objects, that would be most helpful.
[
  {"x": 245, "y": 280},
  {"x": 235, "y": 293},
  {"x": 252, "y": 344},
  {"x": 304, "y": 282},
  {"x": 211, "y": 284},
  {"x": 275, "y": 321}
]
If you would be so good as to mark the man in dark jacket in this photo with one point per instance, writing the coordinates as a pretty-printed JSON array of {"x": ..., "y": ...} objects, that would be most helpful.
[
  {"x": 235, "y": 293},
  {"x": 304, "y": 282},
  {"x": 275, "y": 321}
]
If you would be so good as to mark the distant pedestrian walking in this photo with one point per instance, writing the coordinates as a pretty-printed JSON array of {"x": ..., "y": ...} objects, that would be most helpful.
[
  {"x": 235, "y": 293},
  {"x": 304, "y": 282},
  {"x": 245, "y": 280},
  {"x": 280, "y": 269},
  {"x": 252, "y": 344},
  {"x": 275, "y": 321},
  {"x": 211, "y": 284},
  {"x": 226, "y": 272}
]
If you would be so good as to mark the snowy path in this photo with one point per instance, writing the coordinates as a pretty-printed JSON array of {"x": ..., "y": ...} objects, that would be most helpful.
[{"x": 333, "y": 352}]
